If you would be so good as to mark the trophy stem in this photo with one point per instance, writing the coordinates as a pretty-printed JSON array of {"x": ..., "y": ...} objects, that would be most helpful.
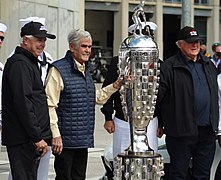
[{"x": 139, "y": 144}]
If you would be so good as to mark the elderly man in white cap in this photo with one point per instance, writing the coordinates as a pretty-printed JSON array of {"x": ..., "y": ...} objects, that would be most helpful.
[
  {"x": 3, "y": 29},
  {"x": 45, "y": 60}
]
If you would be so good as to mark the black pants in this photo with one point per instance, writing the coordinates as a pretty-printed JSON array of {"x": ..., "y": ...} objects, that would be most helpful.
[
  {"x": 71, "y": 164},
  {"x": 24, "y": 161},
  {"x": 200, "y": 149}
]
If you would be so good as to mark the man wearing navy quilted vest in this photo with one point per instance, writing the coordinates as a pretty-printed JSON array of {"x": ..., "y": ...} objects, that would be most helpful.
[{"x": 71, "y": 100}]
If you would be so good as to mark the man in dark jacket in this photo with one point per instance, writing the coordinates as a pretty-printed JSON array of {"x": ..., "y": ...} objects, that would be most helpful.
[
  {"x": 25, "y": 124},
  {"x": 187, "y": 106}
]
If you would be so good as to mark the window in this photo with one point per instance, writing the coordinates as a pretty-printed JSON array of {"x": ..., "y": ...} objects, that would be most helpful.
[
  {"x": 201, "y": 1},
  {"x": 173, "y": 1},
  {"x": 195, "y": 1},
  {"x": 200, "y": 23}
]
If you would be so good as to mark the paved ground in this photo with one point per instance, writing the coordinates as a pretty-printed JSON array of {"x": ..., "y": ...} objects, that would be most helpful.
[{"x": 95, "y": 168}]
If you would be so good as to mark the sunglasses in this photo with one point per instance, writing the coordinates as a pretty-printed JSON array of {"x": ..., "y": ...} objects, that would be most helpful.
[{"x": 2, "y": 38}]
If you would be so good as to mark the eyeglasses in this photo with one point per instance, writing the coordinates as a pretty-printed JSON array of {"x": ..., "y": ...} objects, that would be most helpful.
[{"x": 2, "y": 38}]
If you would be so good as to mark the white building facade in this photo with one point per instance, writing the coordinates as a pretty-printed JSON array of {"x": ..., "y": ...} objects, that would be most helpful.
[
  {"x": 167, "y": 14},
  {"x": 61, "y": 17},
  {"x": 108, "y": 21}
]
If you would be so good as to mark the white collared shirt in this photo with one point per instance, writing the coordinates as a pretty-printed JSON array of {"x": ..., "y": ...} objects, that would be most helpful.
[{"x": 219, "y": 95}]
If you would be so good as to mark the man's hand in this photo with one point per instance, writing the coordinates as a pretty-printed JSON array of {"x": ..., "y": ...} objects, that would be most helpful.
[
  {"x": 109, "y": 126},
  {"x": 219, "y": 140},
  {"x": 57, "y": 145},
  {"x": 117, "y": 84},
  {"x": 42, "y": 147},
  {"x": 160, "y": 132}
]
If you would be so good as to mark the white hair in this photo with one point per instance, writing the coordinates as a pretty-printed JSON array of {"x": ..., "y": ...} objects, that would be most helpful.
[
  {"x": 27, "y": 36},
  {"x": 179, "y": 42},
  {"x": 75, "y": 35}
]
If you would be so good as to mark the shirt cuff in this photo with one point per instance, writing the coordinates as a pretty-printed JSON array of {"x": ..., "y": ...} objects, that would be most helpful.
[
  {"x": 55, "y": 131},
  {"x": 104, "y": 94},
  {"x": 108, "y": 117},
  {"x": 110, "y": 88},
  {"x": 218, "y": 133}
]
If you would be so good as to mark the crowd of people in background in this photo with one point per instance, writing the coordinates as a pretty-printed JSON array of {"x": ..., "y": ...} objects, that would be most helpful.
[{"x": 50, "y": 106}]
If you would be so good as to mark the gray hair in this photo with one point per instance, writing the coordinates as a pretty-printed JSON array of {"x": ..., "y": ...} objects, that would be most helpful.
[
  {"x": 179, "y": 42},
  {"x": 76, "y": 34},
  {"x": 22, "y": 38}
]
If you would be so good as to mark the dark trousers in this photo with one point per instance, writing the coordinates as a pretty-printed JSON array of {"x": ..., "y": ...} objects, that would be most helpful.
[
  {"x": 200, "y": 149},
  {"x": 71, "y": 164},
  {"x": 24, "y": 161}
]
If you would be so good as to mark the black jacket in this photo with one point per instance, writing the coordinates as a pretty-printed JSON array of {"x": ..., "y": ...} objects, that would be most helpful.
[
  {"x": 175, "y": 102},
  {"x": 25, "y": 116},
  {"x": 114, "y": 102}
]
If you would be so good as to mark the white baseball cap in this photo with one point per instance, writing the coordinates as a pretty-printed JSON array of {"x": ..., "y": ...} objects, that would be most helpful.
[
  {"x": 3, "y": 27},
  {"x": 34, "y": 19},
  {"x": 152, "y": 25}
]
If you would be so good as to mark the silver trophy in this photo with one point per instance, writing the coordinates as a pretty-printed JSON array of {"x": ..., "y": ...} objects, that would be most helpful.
[{"x": 139, "y": 72}]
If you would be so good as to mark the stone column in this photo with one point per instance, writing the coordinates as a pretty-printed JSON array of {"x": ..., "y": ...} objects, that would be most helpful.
[
  {"x": 187, "y": 13},
  {"x": 82, "y": 14},
  {"x": 213, "y": 26},
  {"x": 121, "y": 19},
  {"x": 159, "y": 31}
]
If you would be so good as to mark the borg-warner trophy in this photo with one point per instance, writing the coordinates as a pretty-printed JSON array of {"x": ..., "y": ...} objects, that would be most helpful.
[{"x": 139, "y": 72}]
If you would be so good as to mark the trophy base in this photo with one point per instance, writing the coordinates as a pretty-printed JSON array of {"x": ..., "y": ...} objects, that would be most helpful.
[
  {"x": 130, "y": 153},
  {"x": 142, "y": 166}
]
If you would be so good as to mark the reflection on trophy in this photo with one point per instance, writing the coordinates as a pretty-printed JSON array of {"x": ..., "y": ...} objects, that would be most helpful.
[{"x": 139, "y": 72}]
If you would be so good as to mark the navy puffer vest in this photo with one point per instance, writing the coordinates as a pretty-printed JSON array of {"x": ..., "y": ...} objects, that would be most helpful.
[{"x": 76, "y": 108}]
